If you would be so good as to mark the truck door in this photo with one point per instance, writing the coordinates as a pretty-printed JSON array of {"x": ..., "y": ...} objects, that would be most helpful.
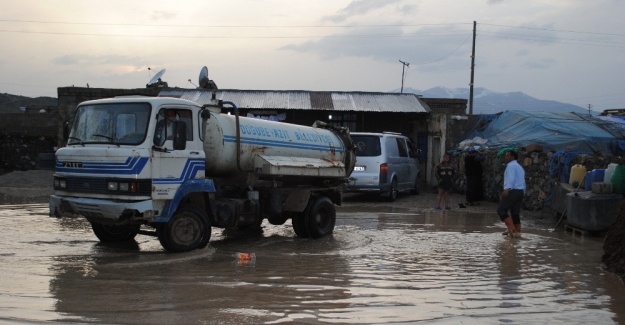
[{"x": 173, "y": 164}]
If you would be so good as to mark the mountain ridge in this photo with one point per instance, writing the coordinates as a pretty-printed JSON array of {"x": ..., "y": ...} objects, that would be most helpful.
[{"x": 489, "y": 102}]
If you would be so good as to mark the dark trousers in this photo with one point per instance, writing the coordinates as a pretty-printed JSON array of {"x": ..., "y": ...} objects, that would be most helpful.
[{"x": 512, "y": 203}]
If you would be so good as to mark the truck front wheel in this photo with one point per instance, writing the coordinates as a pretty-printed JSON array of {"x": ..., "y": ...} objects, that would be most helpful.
[
  {"x": 320, "y": 217},
  {"x": 187, "y": 230},
  {"x": 112, "y": 234}
]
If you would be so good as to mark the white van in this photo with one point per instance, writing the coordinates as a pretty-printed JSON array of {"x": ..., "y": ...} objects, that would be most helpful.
[{"x": 386, "y": 163}]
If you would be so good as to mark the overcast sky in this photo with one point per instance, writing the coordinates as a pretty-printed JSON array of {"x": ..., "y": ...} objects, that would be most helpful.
[{"x": 566, "y": 50}]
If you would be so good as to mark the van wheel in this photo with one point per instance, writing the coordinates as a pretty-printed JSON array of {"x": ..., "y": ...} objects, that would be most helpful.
[
  {"x": 416, "y": 190},
  {"x": 392, "y": 194}
]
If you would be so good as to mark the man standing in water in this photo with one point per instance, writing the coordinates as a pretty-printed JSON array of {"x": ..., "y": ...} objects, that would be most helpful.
[{"x": 512, "y": 196}]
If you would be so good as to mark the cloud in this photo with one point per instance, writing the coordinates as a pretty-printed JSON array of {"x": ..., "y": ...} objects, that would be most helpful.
[
  {"x": 359, "y": 8},
  {"x": 82, "y": 59},
  {"x": 539, "y": 64},
  {"x": 161, "y": 15},
  {"x": 418, "y": 46}
]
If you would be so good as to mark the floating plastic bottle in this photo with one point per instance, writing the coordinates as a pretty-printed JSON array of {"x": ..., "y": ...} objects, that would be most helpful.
[{"x": 245, "y": 258}]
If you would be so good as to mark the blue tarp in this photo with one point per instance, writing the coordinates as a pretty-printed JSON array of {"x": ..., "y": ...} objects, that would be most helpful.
[{"x": 555, "y": 131}]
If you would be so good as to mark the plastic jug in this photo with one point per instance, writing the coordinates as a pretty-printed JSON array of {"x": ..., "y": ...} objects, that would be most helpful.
[
  {"x": 593, "y": 176},
  {"x": 578, "y": 172},
  {"x": 588, "y": 181},
  {"x": 618, "y": 179},
  {"x": 607, "y": 177}
]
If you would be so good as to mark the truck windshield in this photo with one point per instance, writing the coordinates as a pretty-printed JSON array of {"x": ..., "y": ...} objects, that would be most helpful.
[{"x": 119, "y": 123}]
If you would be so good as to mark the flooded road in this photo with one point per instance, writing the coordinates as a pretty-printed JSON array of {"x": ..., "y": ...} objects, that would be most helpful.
[{"x": 379, "y": 267}]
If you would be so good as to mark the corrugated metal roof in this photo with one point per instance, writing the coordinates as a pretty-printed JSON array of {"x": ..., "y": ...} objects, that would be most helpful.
[{"x": 306, "y": 100}]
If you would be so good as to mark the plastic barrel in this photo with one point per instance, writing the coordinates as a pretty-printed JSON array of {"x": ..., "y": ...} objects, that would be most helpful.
[{"x": 618, "y": 179}]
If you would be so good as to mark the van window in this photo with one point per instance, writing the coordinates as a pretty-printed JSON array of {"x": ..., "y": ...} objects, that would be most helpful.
[
  {"x": 401, "y": 145},
  {"x": 367, "y": 146},
  {"x": 412, "y": 153},
  {"x": 391, "y": 147}
]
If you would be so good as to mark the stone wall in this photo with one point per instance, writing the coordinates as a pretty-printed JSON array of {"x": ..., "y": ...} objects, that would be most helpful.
[
  {"x": 24, "y": 152},
  {"x": 27, "y": 141},
  {"x": 544, "y": 171}
]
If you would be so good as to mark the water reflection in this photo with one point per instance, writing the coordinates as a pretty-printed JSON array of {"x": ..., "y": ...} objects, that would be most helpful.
[{"x": 291, "y": 279}]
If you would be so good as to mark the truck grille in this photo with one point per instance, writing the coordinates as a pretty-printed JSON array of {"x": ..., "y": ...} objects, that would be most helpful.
[{"x": 100, "y": 185}]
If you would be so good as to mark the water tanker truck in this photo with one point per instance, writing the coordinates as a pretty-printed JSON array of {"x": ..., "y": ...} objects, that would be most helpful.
[{"x": 170, "y": 168}]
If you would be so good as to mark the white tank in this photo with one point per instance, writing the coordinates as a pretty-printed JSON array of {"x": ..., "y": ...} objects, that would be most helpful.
[{"x": 276, "y": 141}]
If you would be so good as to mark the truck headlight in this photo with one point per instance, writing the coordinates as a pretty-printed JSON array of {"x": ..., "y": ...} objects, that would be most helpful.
[
  {"x": 59, "y": 183},
  {"x": 112, "y": 186}
]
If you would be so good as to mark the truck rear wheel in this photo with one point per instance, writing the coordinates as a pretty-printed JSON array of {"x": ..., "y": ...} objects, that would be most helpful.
[
  {"x": 112, "y": 234},
  {"x": 299, "y": 224},
  {"x": 320, "y": 217},
  {"x": 187, "y": 230}
]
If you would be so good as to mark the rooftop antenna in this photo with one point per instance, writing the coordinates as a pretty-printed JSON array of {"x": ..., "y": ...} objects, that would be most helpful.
[
  {"x": 149, "y": 74},
  {"x": 403, "y": 68},
  {"x": 192, "y": 83}
]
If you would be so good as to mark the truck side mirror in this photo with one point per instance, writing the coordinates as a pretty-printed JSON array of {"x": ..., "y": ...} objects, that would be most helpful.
[{"x": 180, "y": 135}]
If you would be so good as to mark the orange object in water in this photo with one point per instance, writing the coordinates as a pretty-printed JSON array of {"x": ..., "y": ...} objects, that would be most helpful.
[{"x": 245, "y": 257}]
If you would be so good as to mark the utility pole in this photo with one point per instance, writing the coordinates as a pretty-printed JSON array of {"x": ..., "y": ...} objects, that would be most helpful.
[
  {"x": 589, "y": 108},
  {"x": 404, "y": 65},
  {"x": 472, "y": 72}
]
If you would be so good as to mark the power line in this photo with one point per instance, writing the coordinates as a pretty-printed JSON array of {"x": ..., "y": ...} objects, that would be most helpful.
[
  {"x": 555, "y": 30},
  {"x": 223, "y": 26}
]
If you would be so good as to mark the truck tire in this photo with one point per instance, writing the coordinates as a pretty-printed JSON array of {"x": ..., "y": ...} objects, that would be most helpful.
[
  {"x": 187, "y": 230},
  {"x": 113, "y": 234},
  {"x": 320, "y": 217},
  {"x": 299, "y": 224}
]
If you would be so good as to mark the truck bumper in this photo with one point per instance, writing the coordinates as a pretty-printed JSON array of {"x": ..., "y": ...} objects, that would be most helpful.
[{"x": 99, "y": 209}]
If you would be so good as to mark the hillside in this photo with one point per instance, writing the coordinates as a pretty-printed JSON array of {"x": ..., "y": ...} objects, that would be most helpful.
[
  {"x": 12, "y": 103},
  {"x": 489, "y": 102}
]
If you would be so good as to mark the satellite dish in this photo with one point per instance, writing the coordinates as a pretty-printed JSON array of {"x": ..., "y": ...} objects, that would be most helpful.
[
  {"x": 206, "y": 83},
  {"x": 156, "y": 80},
  {"x": 203, "y": 77}
]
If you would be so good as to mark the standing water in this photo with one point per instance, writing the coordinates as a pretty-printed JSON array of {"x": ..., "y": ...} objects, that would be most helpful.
[{"x": 378, "y": 267}]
